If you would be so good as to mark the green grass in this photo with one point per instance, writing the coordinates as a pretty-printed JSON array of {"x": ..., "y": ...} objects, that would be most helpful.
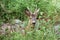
[
  {"x": 34, "y": 35},
  {"x": 45, "y": 33}
]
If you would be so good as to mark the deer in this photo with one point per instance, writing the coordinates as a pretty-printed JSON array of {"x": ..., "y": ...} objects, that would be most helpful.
[
  {"x": 31, "y": 22},
  {"x": 11, "y": 27},
  {"x": 32, "y": 18}
]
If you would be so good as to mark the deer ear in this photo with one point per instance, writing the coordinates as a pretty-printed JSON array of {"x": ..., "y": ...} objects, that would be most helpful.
[
  {"x": 36, "y": 11},
  {"x": 27, "y": 12}
]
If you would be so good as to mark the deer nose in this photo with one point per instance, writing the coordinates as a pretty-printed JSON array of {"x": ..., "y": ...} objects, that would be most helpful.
[{"x": 33, "y": 22}]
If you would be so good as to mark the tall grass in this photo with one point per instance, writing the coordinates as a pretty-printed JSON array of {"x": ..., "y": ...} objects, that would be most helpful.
[{"x": 48, "y": 13}]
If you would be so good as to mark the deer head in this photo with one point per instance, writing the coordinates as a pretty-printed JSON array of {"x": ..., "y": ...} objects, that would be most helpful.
[{"x": 32, "y": 16}]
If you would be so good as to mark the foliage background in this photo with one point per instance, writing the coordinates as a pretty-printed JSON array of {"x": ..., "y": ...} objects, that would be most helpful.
[
  {"x": 15, "y": 9},
  {"x": 48, "y": 7}
]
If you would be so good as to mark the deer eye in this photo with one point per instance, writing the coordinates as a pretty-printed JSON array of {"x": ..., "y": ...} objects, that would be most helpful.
[{"x": 36, "y": 18}]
